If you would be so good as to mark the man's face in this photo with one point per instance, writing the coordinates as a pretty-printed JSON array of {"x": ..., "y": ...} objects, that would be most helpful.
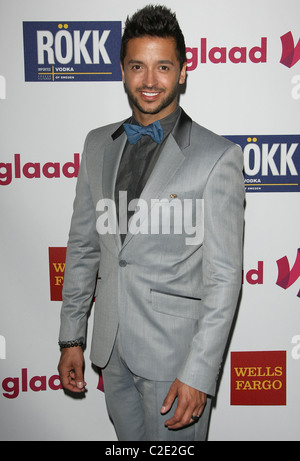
[{"x": 152, "y": 75}]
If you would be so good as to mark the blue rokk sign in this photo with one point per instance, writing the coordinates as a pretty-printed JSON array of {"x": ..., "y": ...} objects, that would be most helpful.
[
  {"x": 271, "y": 163},
  {"x": 72, "y": 51}
]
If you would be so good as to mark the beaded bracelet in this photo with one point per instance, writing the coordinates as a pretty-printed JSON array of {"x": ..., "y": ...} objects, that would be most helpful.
[{"x": 67, "y": 344}]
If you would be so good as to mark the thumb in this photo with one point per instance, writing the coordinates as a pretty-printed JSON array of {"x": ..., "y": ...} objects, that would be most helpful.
[
  {"x": 79, "y": 378},
  {"x": 80, "y": 384},
  {"x": 78, "y": 375},
  {"x": 168, "y": 402}
]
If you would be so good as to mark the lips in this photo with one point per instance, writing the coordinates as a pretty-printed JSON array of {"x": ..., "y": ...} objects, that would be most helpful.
[{"x": 150, "y": 95}]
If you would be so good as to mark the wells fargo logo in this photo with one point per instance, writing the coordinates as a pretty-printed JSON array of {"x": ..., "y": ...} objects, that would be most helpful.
[
  {"x": 258, "y": 378},
  {"x": 57, "y": 258}
]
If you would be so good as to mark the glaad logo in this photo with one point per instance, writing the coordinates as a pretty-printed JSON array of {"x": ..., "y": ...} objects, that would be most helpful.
[
  {"x": 287, "y": 276},
  {"x": 222, "y": 55},
  {"x": 254, "y": 276},
  {"x": 271, "y": 163},
  {"x": 76, "y": 51},
  {"x": 31, "y": 170},
  {"x": 13, "y": 386},
  {"x": 290, "y": 53}
]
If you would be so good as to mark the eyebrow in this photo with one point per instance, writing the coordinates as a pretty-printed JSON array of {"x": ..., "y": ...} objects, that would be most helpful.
[{"x": 163, "y": 61}]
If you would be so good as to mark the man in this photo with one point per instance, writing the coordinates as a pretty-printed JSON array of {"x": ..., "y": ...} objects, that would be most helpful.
[{"x": 164, "y": 300}]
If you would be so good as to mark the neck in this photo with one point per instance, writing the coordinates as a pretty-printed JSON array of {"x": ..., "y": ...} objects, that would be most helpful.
[{"x": 147, "y": 119}]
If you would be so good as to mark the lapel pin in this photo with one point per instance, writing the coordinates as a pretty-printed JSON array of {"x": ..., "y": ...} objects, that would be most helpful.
[{"x": 173, "y": 195}]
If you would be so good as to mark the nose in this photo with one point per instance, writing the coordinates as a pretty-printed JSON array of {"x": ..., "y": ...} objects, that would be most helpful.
[{"x": 150, "y": 78}]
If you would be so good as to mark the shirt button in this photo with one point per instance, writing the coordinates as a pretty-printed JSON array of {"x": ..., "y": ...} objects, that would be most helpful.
[{"x": 122, "y": 263}]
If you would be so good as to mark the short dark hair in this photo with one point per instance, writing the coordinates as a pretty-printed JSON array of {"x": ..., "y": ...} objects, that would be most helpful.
[{"x": 154, "y": 21}]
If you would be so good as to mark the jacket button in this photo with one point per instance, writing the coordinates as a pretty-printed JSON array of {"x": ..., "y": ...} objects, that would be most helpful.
[{"x": 122, "y": 263}]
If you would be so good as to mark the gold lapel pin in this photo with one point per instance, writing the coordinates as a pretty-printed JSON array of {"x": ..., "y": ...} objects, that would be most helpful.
[{"x": 173, "y": 195}]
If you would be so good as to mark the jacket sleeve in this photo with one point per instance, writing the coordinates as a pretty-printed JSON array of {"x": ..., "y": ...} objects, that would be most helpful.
[
  {"x": 82, "y": 261},
  {"x": 222, "y": 270}
]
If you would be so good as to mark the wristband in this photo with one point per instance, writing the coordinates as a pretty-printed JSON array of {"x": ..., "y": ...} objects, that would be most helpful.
[{"x": 67, "y": 344}]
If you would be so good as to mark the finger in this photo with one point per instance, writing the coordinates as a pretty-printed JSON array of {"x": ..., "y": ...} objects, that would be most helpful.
[
  {"x": 78, "y": 378},
  {"x": 75, "y": 381},
  {"x": 69, "y": 381},
  {"x": 65, "y": 380},
  {"x": 181, "y": 418},
  {"x": 182, "y": 414},
  {"x": 197, "y": 413},
  {"x": 70, "y": 369},
  {"x": 169, "y": 400}
]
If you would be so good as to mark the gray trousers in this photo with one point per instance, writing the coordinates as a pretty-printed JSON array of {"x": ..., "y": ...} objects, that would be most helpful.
[{"x": 134, "y": 403}]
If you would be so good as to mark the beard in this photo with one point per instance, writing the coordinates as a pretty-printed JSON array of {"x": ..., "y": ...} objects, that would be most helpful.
[{"x": 169, "y": 99}]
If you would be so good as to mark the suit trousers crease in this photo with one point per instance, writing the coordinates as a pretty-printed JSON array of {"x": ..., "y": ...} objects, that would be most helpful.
[{"x": 134, "y": 403}]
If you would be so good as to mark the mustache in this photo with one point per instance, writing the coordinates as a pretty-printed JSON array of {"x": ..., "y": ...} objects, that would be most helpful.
[{"x": 151, "y": 88}]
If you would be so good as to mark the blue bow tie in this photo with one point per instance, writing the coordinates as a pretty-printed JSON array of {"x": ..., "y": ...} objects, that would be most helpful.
[{"x": 135, "y": 132}]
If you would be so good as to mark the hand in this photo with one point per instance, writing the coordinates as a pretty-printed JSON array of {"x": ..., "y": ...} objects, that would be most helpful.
[
  {"x": 70, "y": 369},
  {"x": 190, "y": 402}
]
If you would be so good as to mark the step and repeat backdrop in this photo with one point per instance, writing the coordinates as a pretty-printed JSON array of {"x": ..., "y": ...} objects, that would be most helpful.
[{"x": 60, "y": 78}]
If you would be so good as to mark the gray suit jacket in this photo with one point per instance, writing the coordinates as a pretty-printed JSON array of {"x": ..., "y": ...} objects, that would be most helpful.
[{"x": 172, "y": 301}]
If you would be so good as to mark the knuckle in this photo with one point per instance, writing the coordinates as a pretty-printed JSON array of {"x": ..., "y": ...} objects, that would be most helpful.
[{"x": 176, "y": 419}]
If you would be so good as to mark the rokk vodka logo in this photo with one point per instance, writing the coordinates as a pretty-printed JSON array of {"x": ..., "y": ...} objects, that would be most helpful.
[
  {"x": 72, "y": 51},
  {"x": 271, "y": 163}
]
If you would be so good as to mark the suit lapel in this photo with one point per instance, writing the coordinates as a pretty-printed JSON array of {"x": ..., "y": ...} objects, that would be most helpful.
[
  {"x": 169, "y": 162},
  {"x": 112, "y": 156},
  {"x": 170, "y": 159}
]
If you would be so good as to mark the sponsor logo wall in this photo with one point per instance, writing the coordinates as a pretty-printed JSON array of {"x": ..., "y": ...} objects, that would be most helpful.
[{"x": 243, "y": 83}]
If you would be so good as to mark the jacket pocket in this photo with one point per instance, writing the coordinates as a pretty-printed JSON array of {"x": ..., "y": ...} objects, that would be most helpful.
[{"x": 176, "y": 305}]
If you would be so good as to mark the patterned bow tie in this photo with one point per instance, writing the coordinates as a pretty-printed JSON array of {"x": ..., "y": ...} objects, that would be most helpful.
[{"x": 135, "y": 132}]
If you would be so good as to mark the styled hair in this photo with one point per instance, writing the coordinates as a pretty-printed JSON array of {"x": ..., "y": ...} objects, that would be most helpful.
[{"x": 154, "y": 21}]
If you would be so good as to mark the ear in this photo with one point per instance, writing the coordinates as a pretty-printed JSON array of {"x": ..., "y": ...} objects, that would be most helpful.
[
  {"x": 183, "y": 74},
  {"x": 123, "y": 73}
]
